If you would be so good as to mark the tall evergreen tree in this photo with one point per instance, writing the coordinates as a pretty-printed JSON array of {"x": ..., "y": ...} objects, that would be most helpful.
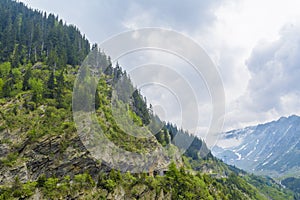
[
  {"x": 26, "y": 78},
  {"x": 51, "y": 85},
  {"x": 60, "y": 88}
]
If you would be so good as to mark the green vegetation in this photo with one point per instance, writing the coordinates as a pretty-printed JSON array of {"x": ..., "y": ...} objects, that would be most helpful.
[
  {"x": 30, "y": 37},
  {"x": 10, "y": 159},
  {"x": 293, "y": 184},
  {"x": 268, "y": 187},
  {"x": 37, "y": 75},
  {"x": 177, "y": 184}
]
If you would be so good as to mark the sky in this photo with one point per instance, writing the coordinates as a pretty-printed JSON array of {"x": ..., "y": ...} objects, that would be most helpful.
[{"x": 254, "y": 44}]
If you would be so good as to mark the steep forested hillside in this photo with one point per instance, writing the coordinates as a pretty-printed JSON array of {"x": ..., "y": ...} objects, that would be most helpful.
[
  {"x": 41, "y": 153},
  {"x": 28, "y": 36}
]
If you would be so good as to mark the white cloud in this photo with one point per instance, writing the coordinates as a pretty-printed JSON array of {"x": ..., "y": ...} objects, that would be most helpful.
[
  {"x": 273, "y": 89},
  {"x": 240, "y": 26},
  {"x": 275, "y": 69}
]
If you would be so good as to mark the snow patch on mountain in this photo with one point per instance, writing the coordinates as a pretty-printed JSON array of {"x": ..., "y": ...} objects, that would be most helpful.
[{"x": 272, "y": 148}]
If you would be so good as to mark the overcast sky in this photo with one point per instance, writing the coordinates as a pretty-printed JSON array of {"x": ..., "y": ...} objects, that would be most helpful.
[{"x": 255, "y": 45}]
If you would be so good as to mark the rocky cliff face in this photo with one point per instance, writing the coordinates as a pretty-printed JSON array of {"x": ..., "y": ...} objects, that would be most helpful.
[
  {"x": 59, "y": 156},
  {"x": 56, "y": 156}
]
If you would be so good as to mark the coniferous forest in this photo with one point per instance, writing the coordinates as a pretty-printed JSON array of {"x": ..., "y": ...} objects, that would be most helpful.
[{"x": 41, "y": 154}]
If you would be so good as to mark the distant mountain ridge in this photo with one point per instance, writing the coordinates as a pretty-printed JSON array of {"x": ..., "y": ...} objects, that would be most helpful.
[{"x": 271, "y": 149}]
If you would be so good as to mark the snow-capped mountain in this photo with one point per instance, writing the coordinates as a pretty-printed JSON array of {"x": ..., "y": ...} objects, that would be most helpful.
[{"x": 272, "y": 149}]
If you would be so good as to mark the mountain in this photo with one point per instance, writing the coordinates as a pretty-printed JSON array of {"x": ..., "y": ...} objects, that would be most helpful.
[
  {"x": 42, "y": 156},
  {"x": 271, "y": 149},
  {"x": 293, "y": 184}
]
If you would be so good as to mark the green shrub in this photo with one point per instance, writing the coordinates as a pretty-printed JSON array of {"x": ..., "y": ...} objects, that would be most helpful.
[{"x": 10, "y": 159}]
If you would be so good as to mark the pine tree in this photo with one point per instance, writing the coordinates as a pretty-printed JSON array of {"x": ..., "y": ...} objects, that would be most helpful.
[
  {"x": 1, "y": 87},
  {"x": 51, "y": 85},
  {"x": 27, "y": 76},
  {"x": 97, "y": 100},
  {"x": 37, "y": 86},
  {"x": 8, "y": 85},
  {"x": 59, "y": 90}
]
